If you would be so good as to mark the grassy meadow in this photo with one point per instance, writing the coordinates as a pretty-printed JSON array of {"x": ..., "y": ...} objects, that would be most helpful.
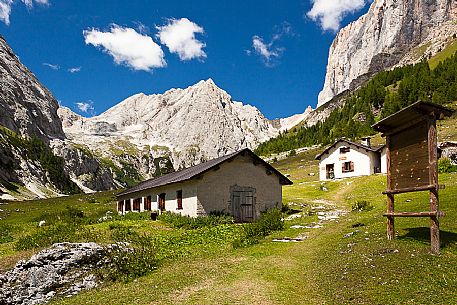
[{"x": 345, "y": 260}]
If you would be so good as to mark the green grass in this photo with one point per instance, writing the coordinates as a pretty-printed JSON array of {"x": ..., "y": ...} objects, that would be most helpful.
[
  {"x": 201, "y": 266},
  {"x": 441, "y": 56}
]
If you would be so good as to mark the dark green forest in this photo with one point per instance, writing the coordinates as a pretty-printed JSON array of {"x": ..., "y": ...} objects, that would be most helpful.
[{"x": 386, "y": 93}]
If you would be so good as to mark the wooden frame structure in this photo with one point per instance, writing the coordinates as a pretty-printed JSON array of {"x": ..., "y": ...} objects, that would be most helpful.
[{"x": 412, "y": 161}]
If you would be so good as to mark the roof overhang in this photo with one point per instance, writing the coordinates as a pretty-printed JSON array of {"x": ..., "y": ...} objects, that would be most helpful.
[{"x": 411, "y": 115}]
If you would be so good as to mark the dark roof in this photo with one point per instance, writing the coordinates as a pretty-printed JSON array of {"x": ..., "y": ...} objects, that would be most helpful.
[
  {"x": 358, "y": 145},
  {"x": 411, "y": 114},
  {"x": 191, "y": 172}
]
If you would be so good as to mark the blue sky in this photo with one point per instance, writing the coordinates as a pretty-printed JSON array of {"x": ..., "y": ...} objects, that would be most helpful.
[{"x": 270, "y": 54}]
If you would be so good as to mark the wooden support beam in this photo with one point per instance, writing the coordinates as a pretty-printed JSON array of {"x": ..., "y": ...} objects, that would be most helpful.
[
  {"x": 390, "y": 197},
  {"x": 415, "y": 214},
  {"x": 434, "y": 201},
  {"x": 410, "y": 189},
  {"x": 390, "y": 218}
]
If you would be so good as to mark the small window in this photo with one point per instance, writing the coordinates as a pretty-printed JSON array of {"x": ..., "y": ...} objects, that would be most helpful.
[
  {"x": 136, "y": 204},
  {"x": 147, "y": 204},
  {"x": 127, "y": 205},
  {"x": 344, "y": 150},
  {"x": 348, "y": 167},
  {"x": 179, "y": 199}
]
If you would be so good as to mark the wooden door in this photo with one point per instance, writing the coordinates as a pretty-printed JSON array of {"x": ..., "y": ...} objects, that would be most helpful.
[
  {"x": 243, "y": 206},
  {"x": 162, "y": 202},
  {"x": 330, "y": 171}
]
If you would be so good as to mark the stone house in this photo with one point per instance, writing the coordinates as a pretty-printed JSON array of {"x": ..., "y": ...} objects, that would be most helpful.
[
  {"x": 345, "y": 159},
  {"x": 241, "y": 184}
]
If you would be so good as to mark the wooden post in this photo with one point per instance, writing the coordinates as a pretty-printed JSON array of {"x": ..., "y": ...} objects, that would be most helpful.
[
  {"x": 434, "y": 201},
  {"x": 390, "y": 197}
]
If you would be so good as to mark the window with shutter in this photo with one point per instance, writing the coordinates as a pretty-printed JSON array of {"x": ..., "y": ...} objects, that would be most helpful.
[
  {"x": 347, "y": 167},
  {"x": 179, "y": 199}
]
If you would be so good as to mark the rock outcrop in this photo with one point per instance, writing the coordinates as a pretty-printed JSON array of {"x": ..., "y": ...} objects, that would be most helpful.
[
  {"x": 26, "y": 106},
  {"x": 188, "y": 125},
  {"x": 62, "y": 270},
  {"x": 392, "y": 32}
]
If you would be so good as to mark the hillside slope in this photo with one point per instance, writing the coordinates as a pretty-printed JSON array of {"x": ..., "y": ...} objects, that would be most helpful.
[
  {"x": 343, "y": 260},
  {"x": 352, "y": 114}
]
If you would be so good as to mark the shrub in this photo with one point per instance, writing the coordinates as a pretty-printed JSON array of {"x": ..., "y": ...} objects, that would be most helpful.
[
  {"x": 445, "y": 166},
  {"x": 178, "y": 221},
  {"x": 362, "y": 205},
  {"x": 137, "y": 216},
  {"x": 132, "y": 256},
  {"x": 129, "y": 261},
  {"x": 252, "y": 233},
  {"x": 5, "y": 234},
  {"x": 46, "y": 236},
  {"x": 68, "y": 215}
]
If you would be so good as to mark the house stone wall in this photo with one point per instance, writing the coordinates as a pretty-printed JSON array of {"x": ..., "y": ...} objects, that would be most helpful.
[
  {"x": 214, "y": 188},
  {"x": 189, "y": 197}
]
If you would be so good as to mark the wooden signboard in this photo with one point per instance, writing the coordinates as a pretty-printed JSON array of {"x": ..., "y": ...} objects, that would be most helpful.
[
  {"x": 412, "y": 161},
  {"x": 409, "y": 152}
]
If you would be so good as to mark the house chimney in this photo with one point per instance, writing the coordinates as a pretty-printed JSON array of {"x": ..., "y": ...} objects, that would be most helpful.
[{"x": 366, "y": 141}]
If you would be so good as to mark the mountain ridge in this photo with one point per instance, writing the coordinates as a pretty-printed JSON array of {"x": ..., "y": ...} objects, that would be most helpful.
[{"x": 391, "y": 33}]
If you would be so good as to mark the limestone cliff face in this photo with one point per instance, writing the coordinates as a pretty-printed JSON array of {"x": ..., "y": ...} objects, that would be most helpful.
[
  {"x": 26, "y": 106},
  {"x": 392, "y": 32}
]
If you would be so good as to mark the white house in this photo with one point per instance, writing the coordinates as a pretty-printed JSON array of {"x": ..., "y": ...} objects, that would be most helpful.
[
  {"x": 241, "y": 184},
  {"x": 345, "y": 158}
]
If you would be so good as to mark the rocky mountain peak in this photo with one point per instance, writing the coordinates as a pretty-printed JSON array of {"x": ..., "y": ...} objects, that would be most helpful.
[
  {"x": 392, "y": 32},
  {"x": 26, "y": 106},
  {"x": 194, "y": 124}
]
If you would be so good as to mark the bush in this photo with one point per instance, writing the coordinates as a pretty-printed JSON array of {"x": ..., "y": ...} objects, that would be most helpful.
[
  {"x": 46, "y": 236},
  {"x": 178, "y": 221},
  {"x": 5, "y": 234},
  {"x": 252, "y": 233},
  {"x": 362, "y": 205},
  {"x": 292, "y": 153},
  {"x": 136, "y": 216},
  {"x": 132, "y": 256},
  {"x": 70, "y": 215},
  {"x": 445, "y": 166}
]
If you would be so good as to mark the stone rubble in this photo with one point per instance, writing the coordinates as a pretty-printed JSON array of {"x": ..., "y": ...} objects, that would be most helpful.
[{"x": 64, "y": 269}]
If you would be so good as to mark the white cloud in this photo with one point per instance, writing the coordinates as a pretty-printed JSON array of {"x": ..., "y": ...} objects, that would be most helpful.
[
  {"x": 86, "y": 107},
  {"x": 179, "y": 36},
  {"x": 52, "y": 66},
  {"x": 74, "y": 69},
  {"x": 5, "y": 8},
  {"x": 29, "y": 3},
  {"x": 127, "y": 47},
  {"x": 269, "y": 52},
  {"x": 265, "y": 50},
  {"x": 330, "y": 13}
]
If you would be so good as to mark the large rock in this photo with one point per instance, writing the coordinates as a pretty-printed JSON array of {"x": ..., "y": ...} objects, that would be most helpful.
[
  {"x": 392, "y": 32},
  {"x": 64, "y": 269}
]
